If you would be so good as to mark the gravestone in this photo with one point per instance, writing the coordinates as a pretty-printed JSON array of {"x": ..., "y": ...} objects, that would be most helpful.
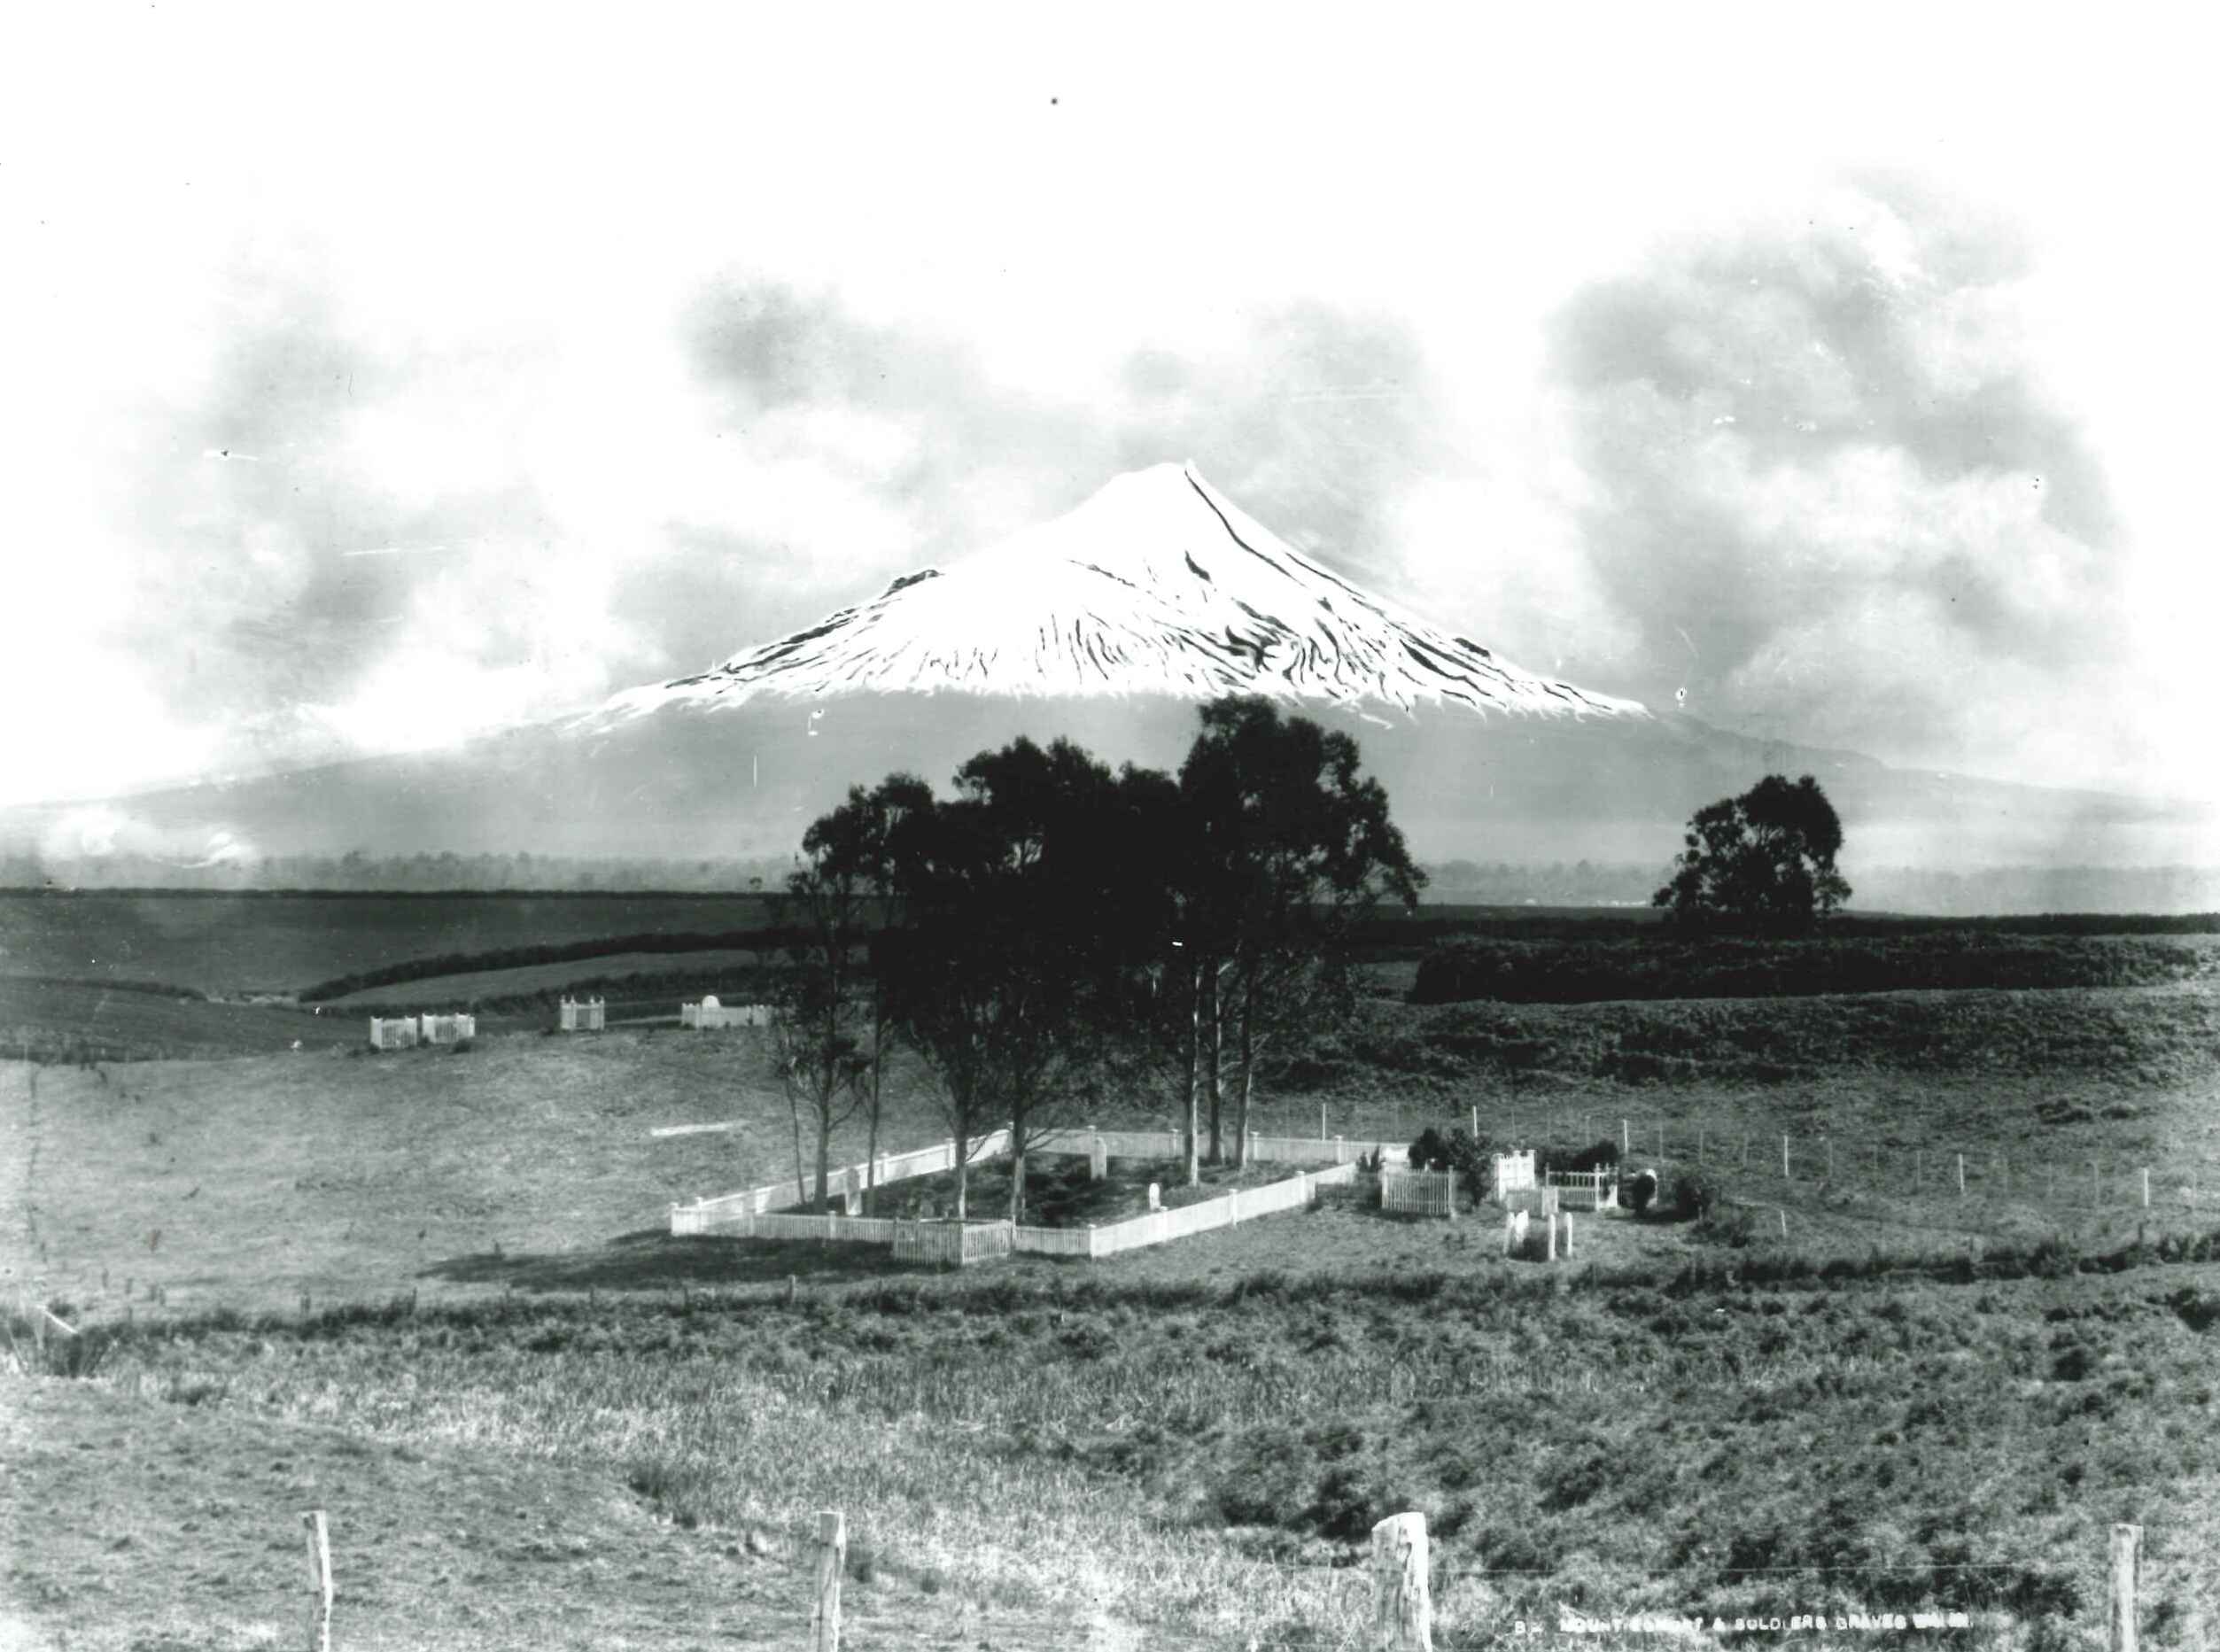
[
  {"x": 1098, "y": 1158},
  {"x": 1156, "y": 1199}
]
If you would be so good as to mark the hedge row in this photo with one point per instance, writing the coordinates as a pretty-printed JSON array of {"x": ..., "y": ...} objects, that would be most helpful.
[{"x": 1584, "y": 971}]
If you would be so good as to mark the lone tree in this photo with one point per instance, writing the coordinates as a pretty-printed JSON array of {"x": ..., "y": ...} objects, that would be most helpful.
[{"x": 1764, "y": 862}]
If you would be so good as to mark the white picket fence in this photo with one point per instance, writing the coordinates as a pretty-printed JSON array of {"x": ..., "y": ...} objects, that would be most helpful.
[
  {"x": 952, "y": 1243},
  {"x": 728, "y": 1212},
  {"x": 449, "y": 1030},
  {"x": 708, "y": 1013},
  {"x": 405, "y": 1032},
  {"x": 1299, "y": 1150},
  {"x": 1586, "y": 1189},
  {"x": 1161, "y": 1227},
  {"x": 582, "y": 1015},
  {"x": 1420, "y": 1192},
  {"x": 1514, "y": 1172},
  {"x": 394, "y": 1032},
  {"x": 741, "y": 1215}
]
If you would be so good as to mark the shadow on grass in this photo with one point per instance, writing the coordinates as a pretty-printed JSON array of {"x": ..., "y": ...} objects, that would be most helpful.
[{"x": 651, "y": 1259}]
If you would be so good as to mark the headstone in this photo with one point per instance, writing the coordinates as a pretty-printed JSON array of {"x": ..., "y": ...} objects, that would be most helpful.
[
  {"x": 852, "y": 1203},
  {"x": 1156, "y": 1197},
  {"x": 1098, "y": 1158}
]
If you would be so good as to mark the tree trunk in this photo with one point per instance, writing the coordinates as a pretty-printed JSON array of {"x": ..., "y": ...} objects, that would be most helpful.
[
  {"x": 963, "y": 1171},
  {"x": 1248, "y": 1069},
  {"x": 1212, "y": 1048},
  {"x": 878, "y": 1066},
  {"x": 823, "y": 1152},
  {"x": 1194, "y": 1080},
  {"x": 1017, "y": 1182},
  {"x": 801, "y": 1165}
]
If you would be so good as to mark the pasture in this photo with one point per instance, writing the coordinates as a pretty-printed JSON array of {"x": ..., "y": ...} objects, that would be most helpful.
[
  {"x": 435, "y": 1293},
  {"x": 229, "y": 945}
]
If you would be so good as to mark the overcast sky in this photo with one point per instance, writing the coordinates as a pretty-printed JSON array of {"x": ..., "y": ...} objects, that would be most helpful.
[{"x": 372, "y": 383}]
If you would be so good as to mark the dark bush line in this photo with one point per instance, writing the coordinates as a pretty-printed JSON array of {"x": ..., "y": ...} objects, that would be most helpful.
[
  {"x": 109, "y": 984},
  {"x": 622, "y": 992},
  {"x": 1566, "y": 971},
  {"x": 761, "y": 940}
]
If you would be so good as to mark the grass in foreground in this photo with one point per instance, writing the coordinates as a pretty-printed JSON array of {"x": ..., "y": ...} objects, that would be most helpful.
[{"x": 1206, "y": 1460}]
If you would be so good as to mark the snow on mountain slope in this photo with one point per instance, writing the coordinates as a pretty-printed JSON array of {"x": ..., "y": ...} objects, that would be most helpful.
[{"x": 1157, "y": 586}]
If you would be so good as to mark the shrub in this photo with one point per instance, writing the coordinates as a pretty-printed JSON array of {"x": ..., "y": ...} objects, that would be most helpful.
[
  {"x": 1639, "y": 1190},
  {"x": 1430, "y": 1152},
  {"x": 1695, "y": 1195}
]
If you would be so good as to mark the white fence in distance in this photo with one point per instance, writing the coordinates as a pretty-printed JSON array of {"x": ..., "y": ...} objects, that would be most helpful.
[
  {"x": 709, "y": 1014},
  {"x": 1419, "y": 1192},
  {"x": 1586, "y": 1189},
  {"x": 449, "y": 1030},
  {"x": 1514, "y": 1172},
  {"x": 727, "y": 1213},
  {"x": 405, "y": 1032},
  {"x": 952, "y": 1243},
  {"x": 582, "y": 1015}
]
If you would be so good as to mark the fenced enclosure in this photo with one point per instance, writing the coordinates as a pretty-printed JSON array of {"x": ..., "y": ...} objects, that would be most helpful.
[
  {"x": 449, "y": 1030},
  {"x": 585, "y": 1015},
  {"x": 1514, "y": 1171},
  {"x": 745, "y": 1215},
  {"x": 709, "y": 1014},
  {"x": 396, "y": 1032},
  {"x": 1419, "y": 1192},
  {"x": 1585, "y": 1190},
  {"x": 951, "y": 1244}
]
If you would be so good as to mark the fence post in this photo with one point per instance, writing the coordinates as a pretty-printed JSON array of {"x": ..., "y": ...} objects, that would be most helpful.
[
  {"x": 1402, "y": 1602},
  {"x": 2146, "y": 1187},
  {"x": 1784, "y": 1159},
  {"x": 1550, "y": 1245},
  {"x": 1699, "y": 1144},
  {"x": 1568, "y": 1236},
  {"x": 1322, "y": 1121},
  {"x": 1830, "y": 1158},
  {"x": 319, "y": 1581},
  {"x": 832, "y": 1560},
  {"x": 2126, "y": 1541},
  {"x": 1961, "y": 1176}
]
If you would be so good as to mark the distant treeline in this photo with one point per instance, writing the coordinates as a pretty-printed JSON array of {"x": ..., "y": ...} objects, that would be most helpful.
[
  {"x": 444, "y": 873},
  {"x": 1560, "y": 971},
  {"x": 2017, "y": 890}
]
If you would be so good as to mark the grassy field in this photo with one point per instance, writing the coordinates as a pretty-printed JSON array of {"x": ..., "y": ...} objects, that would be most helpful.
[
  {"x": 537, "y": 1420},
  {"x": 233, "y": 944}
]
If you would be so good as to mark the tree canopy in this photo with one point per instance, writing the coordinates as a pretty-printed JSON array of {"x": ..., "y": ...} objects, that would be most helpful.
[{"x": 1764, "y": 861}]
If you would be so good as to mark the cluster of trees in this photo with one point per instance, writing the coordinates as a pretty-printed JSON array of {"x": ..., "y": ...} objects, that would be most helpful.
[{"x": 1054, "y": 928}]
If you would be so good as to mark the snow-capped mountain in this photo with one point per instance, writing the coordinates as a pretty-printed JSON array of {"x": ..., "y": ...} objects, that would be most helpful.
[
  {"x": 1108, "y": 626},
  {"x": 1159, "y": 585}
]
